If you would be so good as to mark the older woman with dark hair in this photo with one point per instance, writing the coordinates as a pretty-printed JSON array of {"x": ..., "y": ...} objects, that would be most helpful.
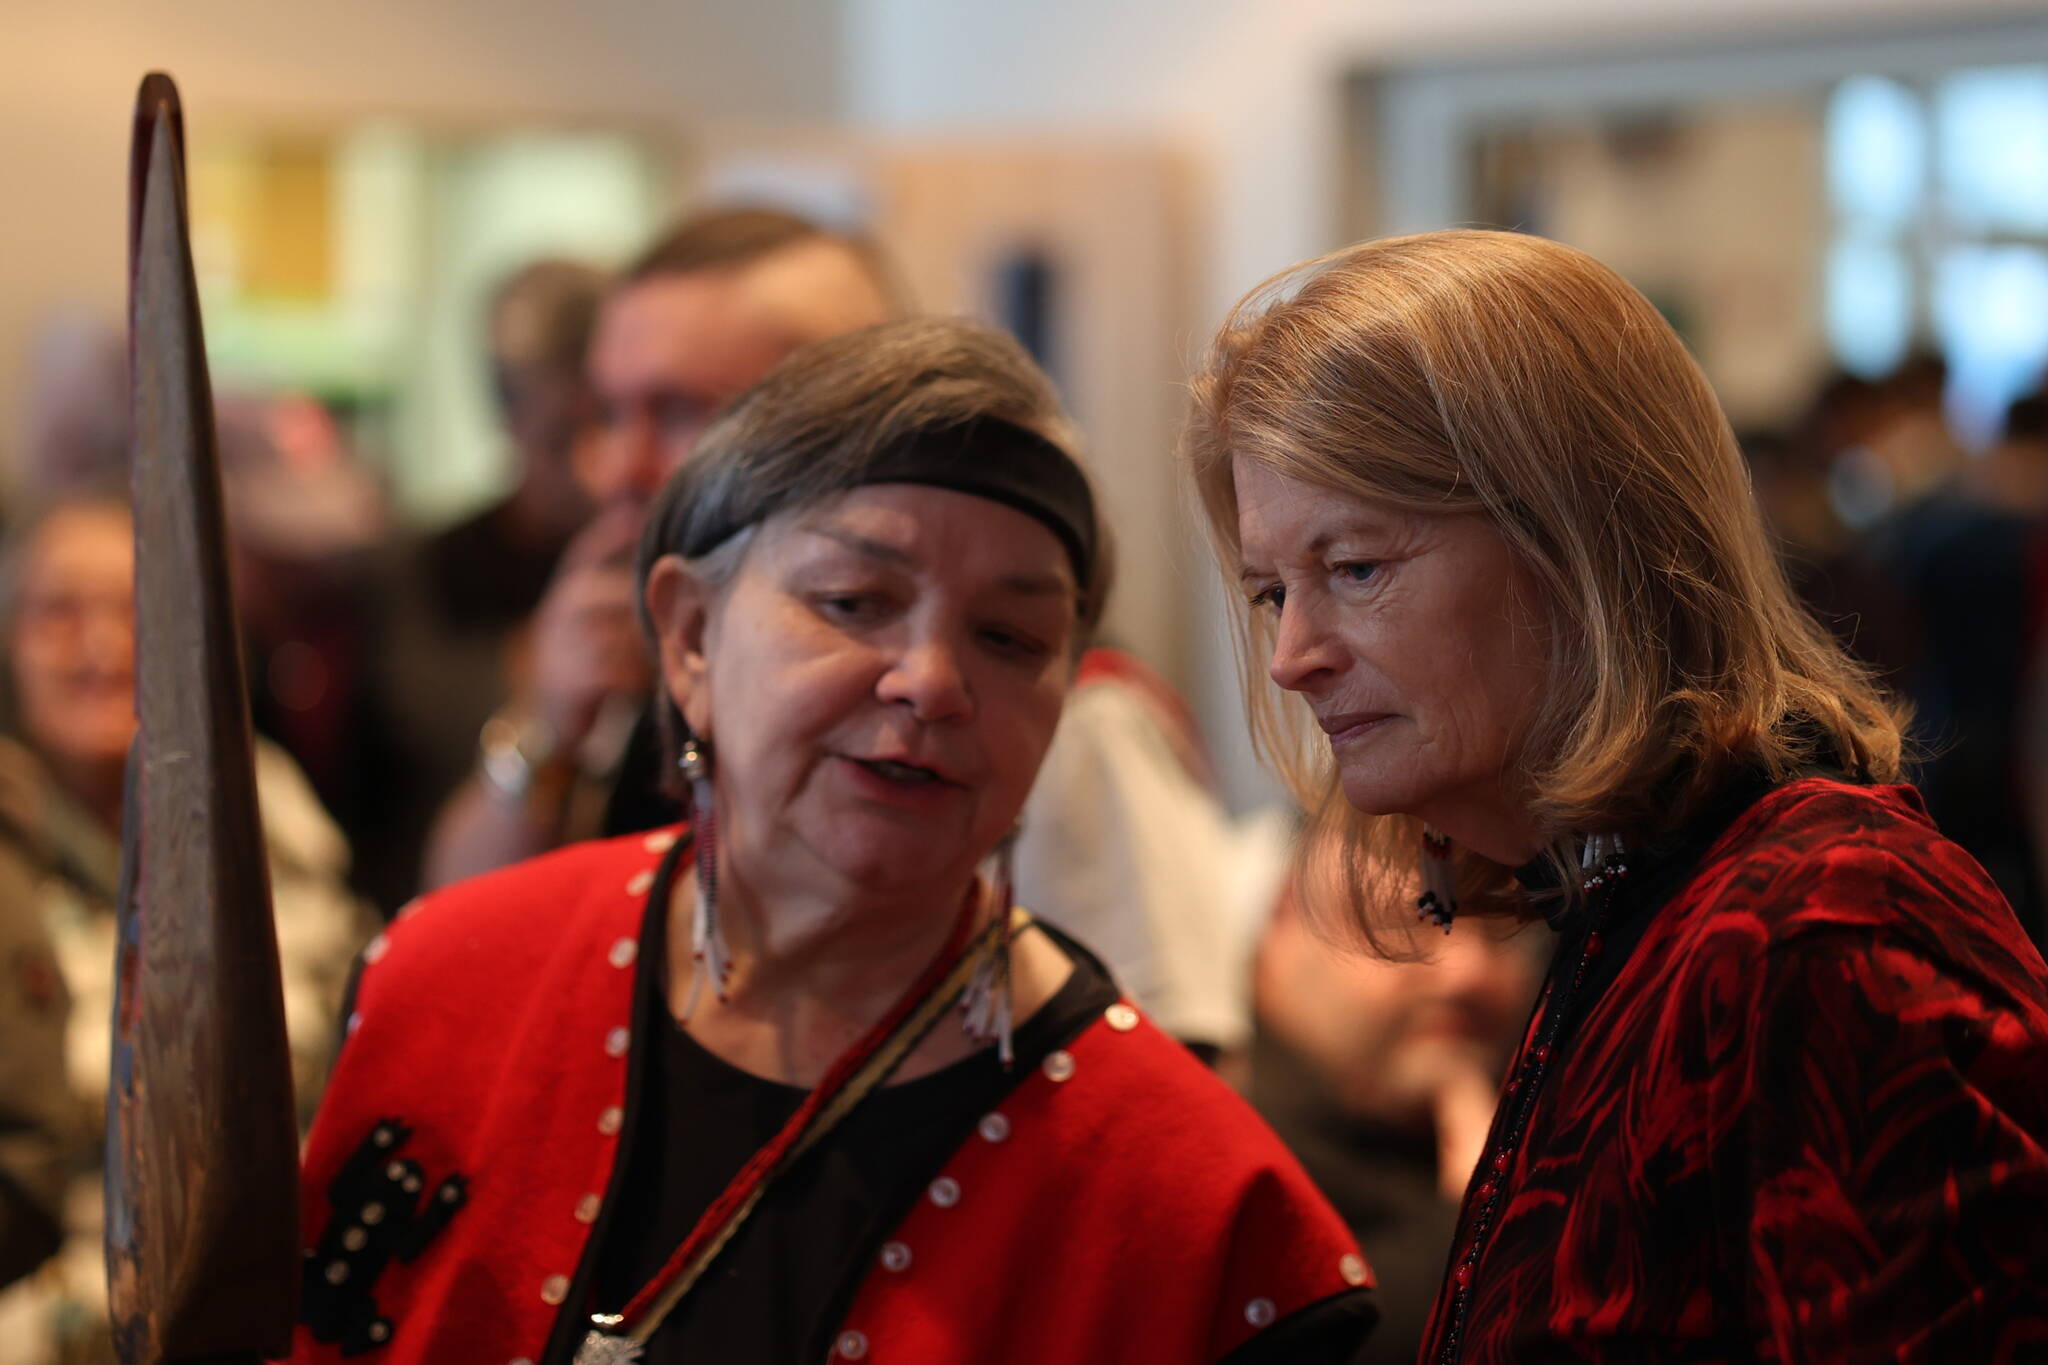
[
  {"x": 796, "y": 1082},
  {"x": 1782, "y": 1097}
]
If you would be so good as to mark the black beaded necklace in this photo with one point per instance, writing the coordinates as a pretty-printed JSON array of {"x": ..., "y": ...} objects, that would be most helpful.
[{"x": 1519, "y": 1095}]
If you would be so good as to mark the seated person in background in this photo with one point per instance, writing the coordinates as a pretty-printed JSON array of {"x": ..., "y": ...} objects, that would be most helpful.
[
  {"x": 798, "y": 1082},
  {"x": 69, "y": 628},
  {"x": 38, "y": 1118},
  {"x": 1123, "y": 843},
  {"x": 1381, "y": 1076}
]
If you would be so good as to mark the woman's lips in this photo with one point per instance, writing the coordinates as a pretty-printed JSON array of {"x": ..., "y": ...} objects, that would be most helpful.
[
  {"x": 893, "y": 790},
  {"x": 1352, "y": 725}
]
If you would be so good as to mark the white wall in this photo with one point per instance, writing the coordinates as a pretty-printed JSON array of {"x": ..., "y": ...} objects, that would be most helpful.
[
  {"x": 69, "y": 68},
  {"x": 1253, "y": 89}
]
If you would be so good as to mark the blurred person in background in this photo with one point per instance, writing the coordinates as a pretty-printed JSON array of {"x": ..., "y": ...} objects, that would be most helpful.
[
  {"x": 68, "y": 616},
  {"x": 1954, "y": 561},
  {"x": 2013, "y": 475},
  {"x": 704, "y": 313},
  {"x": 308, "y": 529},
  {"x": 1916, "y": 555},
  {"x": 1781, "y": 1097},
  {"x": 74, "y": 421},
  {"x": 458, "y": 609},
  {"x": 1124, "y": 841},
  {"x": 1381, "y": 1075}
]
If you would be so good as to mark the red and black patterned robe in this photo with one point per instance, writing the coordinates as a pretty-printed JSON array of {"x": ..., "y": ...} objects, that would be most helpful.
[{"x": 1795, "y": 1109}]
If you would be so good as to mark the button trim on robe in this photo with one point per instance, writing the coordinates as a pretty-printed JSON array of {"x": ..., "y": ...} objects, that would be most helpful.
[
  {"x": 1260, "y": 1312},
  {"x": 641, "y": 881},
  {"x": 994, "y": 1127},
  {"x": 895, "y": 1257},
  {"x": 616, "y": 1042},
  {"x": 1121, "y": 1017},
  {"x": 852, "y": 1345},
  {"x": 611, "y": 1120},
  {"x": 945, "y": 1191},
  {"x": 661, "y": 841},
  {"x": 588, "y": 1207},
  {"x": 623, "y": 952},
  {"x": 1352, "y": 1268},
  {"x": 1059, "y": 1065},
  {"x": 554, "y": 1289}
]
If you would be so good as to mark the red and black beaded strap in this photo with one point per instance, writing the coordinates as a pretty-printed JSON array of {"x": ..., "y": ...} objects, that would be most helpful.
[
  {"x": 867, "y": 1064},
  {"x": 1552, "y": 1011}
]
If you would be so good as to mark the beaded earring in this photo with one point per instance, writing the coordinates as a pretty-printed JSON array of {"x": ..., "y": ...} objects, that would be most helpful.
[
  {"x": 986, "y": 1006},
  {"x": 707, "y": 943}
]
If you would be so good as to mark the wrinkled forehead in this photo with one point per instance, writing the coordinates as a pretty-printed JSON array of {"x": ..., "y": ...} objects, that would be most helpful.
[{"x": 1279, "y": 516}]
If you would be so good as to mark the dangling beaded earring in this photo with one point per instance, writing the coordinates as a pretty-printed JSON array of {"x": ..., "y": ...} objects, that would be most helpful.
[
  {"x": 986, "y": 1004},
  {"x": 1601, "y": 863},
  {"x": 1438, "y": 902},
  {"x": 707, "y": 944}
]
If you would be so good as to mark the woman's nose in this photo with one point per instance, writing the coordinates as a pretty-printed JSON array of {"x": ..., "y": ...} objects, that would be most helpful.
[
  {"x": 928, "y": 678},
  {"x": 1304, "y": 653}
]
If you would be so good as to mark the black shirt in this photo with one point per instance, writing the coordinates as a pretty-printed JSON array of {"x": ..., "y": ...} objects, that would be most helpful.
[{"x": 778, "y": 1291}]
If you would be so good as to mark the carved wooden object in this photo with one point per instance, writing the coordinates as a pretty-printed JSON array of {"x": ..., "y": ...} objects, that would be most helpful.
[{"x": 202, "y": 1226}]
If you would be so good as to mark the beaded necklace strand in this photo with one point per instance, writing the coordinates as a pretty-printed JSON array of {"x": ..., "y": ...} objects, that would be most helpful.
[{"x": 1604, "y": 872}]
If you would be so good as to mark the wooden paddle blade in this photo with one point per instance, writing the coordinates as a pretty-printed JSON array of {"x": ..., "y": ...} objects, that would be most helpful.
[{"x": 202, "y": 1165}]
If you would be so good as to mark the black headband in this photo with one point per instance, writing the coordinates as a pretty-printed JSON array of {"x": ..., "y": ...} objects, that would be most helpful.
[{"x": 988, "y": 458}]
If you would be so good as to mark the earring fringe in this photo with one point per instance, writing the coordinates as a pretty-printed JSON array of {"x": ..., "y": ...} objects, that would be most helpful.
[
  {"x": 987, "y": 1005},
  {"x": 707, "y": 944}
]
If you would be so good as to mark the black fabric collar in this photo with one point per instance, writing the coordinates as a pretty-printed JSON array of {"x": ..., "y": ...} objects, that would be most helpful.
[{"x": 988, "y": 458}]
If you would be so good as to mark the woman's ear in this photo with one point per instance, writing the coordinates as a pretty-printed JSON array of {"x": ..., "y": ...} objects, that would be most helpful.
[{"x": 679, "y": 604}]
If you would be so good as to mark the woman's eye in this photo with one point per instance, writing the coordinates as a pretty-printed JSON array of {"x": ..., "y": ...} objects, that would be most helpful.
[
  {"x": 850, "y": 606},
  {"x": 1274, "y": 597},
  {"x": 1014, "y": 644},
  {"x": 1359, "y": 571}
]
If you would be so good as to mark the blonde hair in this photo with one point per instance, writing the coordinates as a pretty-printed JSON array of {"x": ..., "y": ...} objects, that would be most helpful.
[{"x": 1516, "y": 378}]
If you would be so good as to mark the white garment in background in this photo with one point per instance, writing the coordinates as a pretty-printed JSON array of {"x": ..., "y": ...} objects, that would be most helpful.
[{"x": 1126, "y": 850}]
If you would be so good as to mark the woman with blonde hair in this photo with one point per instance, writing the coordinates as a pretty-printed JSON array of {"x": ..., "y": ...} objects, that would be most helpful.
[{"x": 1782, "y": 1095}]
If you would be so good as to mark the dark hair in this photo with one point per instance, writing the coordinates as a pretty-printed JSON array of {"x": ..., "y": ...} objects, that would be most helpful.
[
  {"x": 540, "y": 320},
  {"x": 836, "y": 412},
  {"x": 728, "y": 238},
  {"x": 2027, "y": 418}
]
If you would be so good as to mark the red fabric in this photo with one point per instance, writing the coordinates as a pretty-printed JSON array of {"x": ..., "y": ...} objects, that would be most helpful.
[
  {"x": 1808, "y": 1121},
  {"x": 1133, "y": 1212}
]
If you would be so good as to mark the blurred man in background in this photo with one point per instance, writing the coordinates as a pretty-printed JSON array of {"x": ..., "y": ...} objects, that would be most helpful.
[{"x": 706, "y": 312}]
